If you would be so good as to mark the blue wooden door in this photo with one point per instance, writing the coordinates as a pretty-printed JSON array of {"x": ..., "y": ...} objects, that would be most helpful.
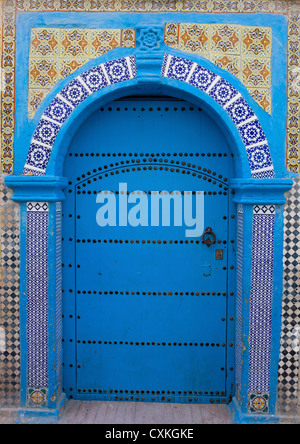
[{"x": 148, "y": 310}]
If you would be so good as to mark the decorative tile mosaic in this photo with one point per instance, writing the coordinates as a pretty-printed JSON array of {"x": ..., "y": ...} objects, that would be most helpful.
[
  {"x": 222, "y": 6},
  {"x": 58, "y": 278},
  {"x": 95, "y": 79},
  {"x": 290, "y": 8},
  {"x": 56, "y": 53},
  {"x": 258, "y": 403},
  {"x": 74, "y": 93},
  {"x": 293, "y": 118},
  {"x": 240, "y": 111},
  {"x": 288, "y": 372},
  {"x": 9, "y": 299},
  {"x": 176, "y": 68},
  {"x": 37, "y": 302},
  {"x": 244, "y": 51},
  {"x": 58, "y": 111},
  {"x": 37, "y": 397},
  {"x": 261, "y": 307},
  {"x": 8, "y": 84},
  {"x": 231, "y": 63},
  {"x": 226, "y": 39},
  {"x": 230, "y": 99},
  {"x": 239, "y": 301},
  {"x": 66, "y": 101},
  {"x": 256, "y": 41}
]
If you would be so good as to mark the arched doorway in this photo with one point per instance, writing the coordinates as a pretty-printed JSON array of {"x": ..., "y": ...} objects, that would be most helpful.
[
  {"x": 148, "y": 302},
  {"x": 259, "y": 195}
]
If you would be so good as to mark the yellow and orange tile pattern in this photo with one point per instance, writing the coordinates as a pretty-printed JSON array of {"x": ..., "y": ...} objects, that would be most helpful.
[
  {"x": 56, "y": 53},
  {"x": 293, "y": 91},
  {"x": 244, "y": 51},
  {"x": 201, "y": 6}
]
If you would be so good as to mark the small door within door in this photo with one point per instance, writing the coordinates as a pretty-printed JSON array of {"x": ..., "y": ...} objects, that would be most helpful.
[{"x": 146, "y": 284}]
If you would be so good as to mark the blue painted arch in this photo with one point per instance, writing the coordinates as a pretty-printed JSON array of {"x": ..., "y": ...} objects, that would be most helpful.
[{"x": 116, "y": 76}]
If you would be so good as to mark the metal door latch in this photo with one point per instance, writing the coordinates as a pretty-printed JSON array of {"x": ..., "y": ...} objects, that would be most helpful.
[
  {"x": 219, "y": 255},
  {"x": 209, "y": 237}
]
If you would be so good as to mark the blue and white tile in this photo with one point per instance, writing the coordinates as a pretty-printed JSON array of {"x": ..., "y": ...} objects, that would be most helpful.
[
  {"x": 264, "y": 174},
  {"x": 37, "y": 206},
  {"x": 32, "y": 171},
  {"x": 58, "y": 110},
  {"x": 164, "y": 65},
  {"x": 260, "y": 324},
  {"x": 37, "y": 284},
  {"x": 264, "y": 209},
  {"x": 74, "y": 93},
  {"x": 46, "y": 132},
  {"x": 240, "y": 111},
  {"x": 202, "y": 78},
  {"x": 95, "y": 79},
  {"x": 252, "y": 133},
  {"x": 179, "y": 68},
  {"x": 117, "y": 71},
  {"x": 222, "y": 92},
  {"x": 38, "y": 156},
  {"x": 259, "y": 157},
  {"x": 132, "y": 63}
]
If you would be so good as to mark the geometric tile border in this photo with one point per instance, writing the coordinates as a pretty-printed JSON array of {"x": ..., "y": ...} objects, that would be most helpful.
[
  {"x": 289, "y": 8},
  {"x": 233, "y": 103},
  {"x": 239, "y": 298},
  {"x": 58, "y": 294},
  {"x": 8, "y": 48},
  {"x": 64, "y": 104},
  {"x": 37, "y": 302},
  {"x": 261, "y": 301},
  {"x": 120, "y": 70},
  {"x": 293, "y": 87}
]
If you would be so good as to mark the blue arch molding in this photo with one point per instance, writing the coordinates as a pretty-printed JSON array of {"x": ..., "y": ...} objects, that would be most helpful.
[{"x": 173, "y": 67}]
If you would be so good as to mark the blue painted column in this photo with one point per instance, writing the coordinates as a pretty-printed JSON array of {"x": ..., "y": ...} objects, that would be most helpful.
[
  {"x": 259, "y": 293},
  {"x": 41, "y": 395}
]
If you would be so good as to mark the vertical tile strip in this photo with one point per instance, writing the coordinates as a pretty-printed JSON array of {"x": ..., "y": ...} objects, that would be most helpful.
[
  {"x": 58, "y": 294},
  {"x": 293, "y": 92},
  {"x": 37, "y": 302},
  {"x": 239, "y": 303},
  {"x": 8, "y": 85},
  {"x": 261, "y": 294}
]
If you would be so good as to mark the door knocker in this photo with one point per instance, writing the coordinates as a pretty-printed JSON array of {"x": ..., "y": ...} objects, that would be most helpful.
[{"x": 209, "y": 237}]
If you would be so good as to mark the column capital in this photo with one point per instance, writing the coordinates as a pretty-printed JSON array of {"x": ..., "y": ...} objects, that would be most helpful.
[
  {"x": 37, "y": 188},
  {"x": 261, "y": 191}
]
